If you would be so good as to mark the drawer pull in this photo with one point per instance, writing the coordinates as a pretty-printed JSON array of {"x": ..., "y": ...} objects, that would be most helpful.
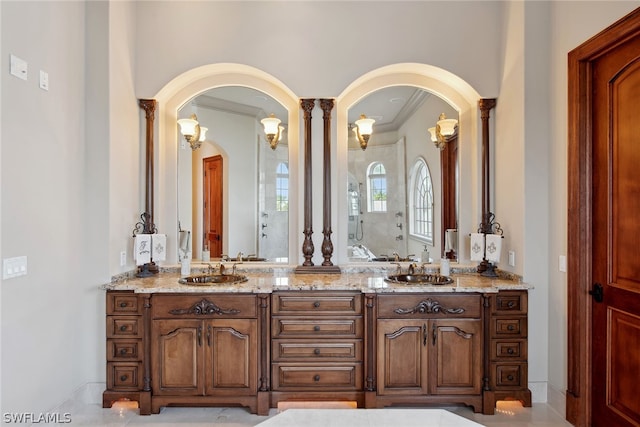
[
  {"x": 510, "y": 377},
  {"x": 511, "y": 328},
  {"x": 123, "y": 377},
  {"x": 123, "y": 304},
  {"x": 316, "y": 378},
  {"x": 123, "y": 328},
  {"x": 510, "y": 351},
  {"x": 316, "y": 304},
  {"x": 316, "y": 351},
  {"x": 511, "y": 304},
  {"x": 316, "y": 328},
  {"x": 123, "y": 351}
]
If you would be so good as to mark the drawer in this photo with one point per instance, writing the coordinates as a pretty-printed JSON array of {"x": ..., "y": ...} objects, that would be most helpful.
[
  {"x": 317, "y": 351},
  {"x": 124, "y": 375},
  {"x": 510, "y": 375},
  {"x": 516, "y": 349},
  {"x": 121, "y": 349},
  {"x": 330, "y": 377},
  {"x": 509, "y": 303},
  {"x": 508, "y": 327},
  {"x": 333, "y": 303},
  {"x": 124, "y": 327},
  {"x": 423, "y": 306},
  {"x": 123, "y": 303},
  {"x": 203, "y": 306},
  {"x": 316, "y": 327}
]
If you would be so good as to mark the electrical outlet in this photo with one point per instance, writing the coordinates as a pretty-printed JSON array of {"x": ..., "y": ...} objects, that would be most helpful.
[
  {"x": 512, "y": 258},
  {"x": 19, "y": 67},
  {"x": 44, "y": 80},
  {"x": 123, "y": 258}
]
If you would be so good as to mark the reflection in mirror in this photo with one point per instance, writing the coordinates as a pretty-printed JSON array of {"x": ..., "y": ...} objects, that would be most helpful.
[
  {"x": 402, "y": 189},
  {"x": 233, "y": 191}
]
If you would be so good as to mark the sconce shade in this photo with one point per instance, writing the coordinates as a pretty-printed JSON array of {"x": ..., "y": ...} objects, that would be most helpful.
[
  {"x": 192, "y": 131},
  {"x": 203, "y": 133},
  {"x": 444, "y": 130},
  {"x": 272, "y": 129},
  {"x": 363, "y": 130},
  {"x": 432, "y": 131},
  {"x": 447, "y": 127}
]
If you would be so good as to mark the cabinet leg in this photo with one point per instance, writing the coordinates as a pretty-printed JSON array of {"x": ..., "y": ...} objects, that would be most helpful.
[
  {"x": 264, "y": 398},
  {"x": 370, "y": 399},
  {"x": 488, "y": 403},
  {"x": 145, "y": 403}
]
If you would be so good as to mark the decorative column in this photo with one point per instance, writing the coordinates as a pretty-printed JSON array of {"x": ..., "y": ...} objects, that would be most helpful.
[
  {"x": 327, "y": 246},
  {"x": 307, "y": 246},
  {"x": 149, "y": 107}
]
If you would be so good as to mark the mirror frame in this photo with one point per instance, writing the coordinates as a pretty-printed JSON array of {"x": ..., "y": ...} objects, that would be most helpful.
[
  {"x": 455, "y": 91},
  {"x": 180, "y": 91}
]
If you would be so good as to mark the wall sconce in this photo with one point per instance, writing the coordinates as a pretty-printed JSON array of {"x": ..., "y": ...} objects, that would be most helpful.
[
  {"x": 272, "y": 130},
  {"x": 363, "y": 130},
  {"x": 444, "y": 131},
  {"x": 192, "y": 131}
]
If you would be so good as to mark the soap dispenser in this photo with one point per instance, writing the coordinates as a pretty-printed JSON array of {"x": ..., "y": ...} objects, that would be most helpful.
[{"x": 425, "y": 255}]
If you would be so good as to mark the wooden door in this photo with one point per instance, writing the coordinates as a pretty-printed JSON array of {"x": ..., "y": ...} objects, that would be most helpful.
[
  {"x": 231, "y": 365},
  {"x": 616, "y": 236},
  {"x": 212, "y": 203},
  {"x": 457, "y": 363},
  {"x": 402, "y": 357},
  {"x": 177, "y": 357},
  {"x": 449, "y": 167}
]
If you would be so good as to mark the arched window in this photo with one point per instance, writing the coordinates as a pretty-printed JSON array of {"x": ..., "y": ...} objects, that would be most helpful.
[
  {"x": 282, "y": 187},
  {"x": 377, "y": 183},
  {"x": 421, "y": 209}
]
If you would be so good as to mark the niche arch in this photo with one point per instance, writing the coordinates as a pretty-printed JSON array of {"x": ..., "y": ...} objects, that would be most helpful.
[
  {"x": 446, "y": 85},
  {"x": 181, "y": 90}
]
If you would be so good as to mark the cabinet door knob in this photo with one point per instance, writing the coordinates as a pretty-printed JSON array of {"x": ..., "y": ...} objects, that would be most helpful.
[
  {"x": 316, "y": 378},
  {"x": 316, "y": 304},
  {"x": 511, "y": 304},
  {"x": 510, "y": 351},
  {"x": 123, "y": 351},
  {"x": 123, "y": 377},
  {"x": 511, "y": 327},
  {"x": 123, "y": 328},
  {"x": 123, "y": 304},
  {"x": 316, "y": 328},
  {"x": 316, "y": 351},
  {"x": 510, "y": 377}
]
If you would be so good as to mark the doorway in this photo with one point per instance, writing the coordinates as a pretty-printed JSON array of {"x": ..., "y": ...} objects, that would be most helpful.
[
  {"x": 212, "y": 204},
  {"x": 604, "y": 198}
]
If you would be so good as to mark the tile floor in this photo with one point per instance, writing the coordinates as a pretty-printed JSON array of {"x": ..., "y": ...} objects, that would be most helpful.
[{"x": 507, "y": 414}]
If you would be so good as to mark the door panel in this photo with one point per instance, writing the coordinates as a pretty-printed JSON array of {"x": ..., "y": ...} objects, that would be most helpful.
[
  {"x": 212, "y": 186},
  {"x": 615, "y": 228},
  {"x": 178, "y": 347}
]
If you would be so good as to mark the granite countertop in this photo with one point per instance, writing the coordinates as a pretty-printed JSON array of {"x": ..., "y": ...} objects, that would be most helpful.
[{"x": 267, "y": 278}]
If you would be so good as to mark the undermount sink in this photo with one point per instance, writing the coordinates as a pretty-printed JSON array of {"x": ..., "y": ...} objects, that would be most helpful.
[
  {"x": 212, "y": 279},
  {"x": 245, "y": 259},
  {"x": 419, "y": 279}
]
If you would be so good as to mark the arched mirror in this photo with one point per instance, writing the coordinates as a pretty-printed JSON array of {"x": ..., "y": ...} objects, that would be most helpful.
[
  {"x": 233, "y": 190},
  {"x": 402, "y": 190}
]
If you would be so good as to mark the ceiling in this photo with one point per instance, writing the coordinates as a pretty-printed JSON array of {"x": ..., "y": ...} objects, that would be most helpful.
[{"x": 390, "y": 107}]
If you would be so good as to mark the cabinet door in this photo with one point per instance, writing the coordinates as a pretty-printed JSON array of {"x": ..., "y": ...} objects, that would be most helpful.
[
  {"x": 402, "y": 357},
  {"x": 177, "y": 365},
  {"x": 457, "y": 357},
  {"x": 231, "y": 349}
]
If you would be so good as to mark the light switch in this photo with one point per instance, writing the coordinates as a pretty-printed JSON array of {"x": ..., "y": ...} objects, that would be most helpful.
[
  {"x": 512, "y": 258},
  {"x": 44, "y": 80},
  {"x": 18, "y": 67},
  {"x": 562, "y": 263},
  {"x": 14, "y": 267}
]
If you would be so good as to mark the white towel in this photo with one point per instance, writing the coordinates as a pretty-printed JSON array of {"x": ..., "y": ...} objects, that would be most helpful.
[
  {"x": 494, "y": 246},
  {"x": 142, "y": 249},
  {"x": 477, "y": 246},
  {"x": 159, "y": 245}
]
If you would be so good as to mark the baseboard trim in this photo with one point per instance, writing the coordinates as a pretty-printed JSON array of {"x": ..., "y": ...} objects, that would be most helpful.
[
  {"x": 538, "y": 391},
  {"x": 557, "y": 400}
]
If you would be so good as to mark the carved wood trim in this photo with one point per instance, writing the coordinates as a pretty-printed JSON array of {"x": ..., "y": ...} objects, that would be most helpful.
[
  {"x": 370, "y": 335},
  {"x": 149, "y": 107},
  {"x": 147, "y": 343},
  {"x": 327, "y": 245},
  {"x": 429, "y": 306},
  {"x": 307, "y": 246},
  {"x": 265, "y": 361},
  {"x": 203, "y": 308}
]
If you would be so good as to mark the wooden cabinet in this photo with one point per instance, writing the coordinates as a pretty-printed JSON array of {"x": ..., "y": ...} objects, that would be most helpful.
[
  {"x": 205, "y": 350},
  {"x": 507, "y": 349},
  {"x": 429, "y": 349},
  {"x": 317, "y": 346},
  {"x": 125, "y": 349}
]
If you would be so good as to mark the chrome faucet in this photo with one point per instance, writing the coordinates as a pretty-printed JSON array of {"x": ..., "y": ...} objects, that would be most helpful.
[
  {"x": 396, "y": 256},
  {"x": 239, "y": 256}
]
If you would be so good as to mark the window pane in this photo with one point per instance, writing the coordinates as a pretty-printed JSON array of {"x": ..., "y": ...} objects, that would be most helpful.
[{"x": 282, "y": 187}]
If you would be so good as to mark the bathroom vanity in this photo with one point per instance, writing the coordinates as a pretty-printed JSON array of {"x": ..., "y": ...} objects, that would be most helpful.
[{"x": 281, "y": 336}]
